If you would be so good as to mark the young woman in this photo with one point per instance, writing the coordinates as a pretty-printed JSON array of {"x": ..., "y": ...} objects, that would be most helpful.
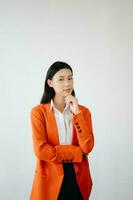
[{"x": 62, "y": 139}]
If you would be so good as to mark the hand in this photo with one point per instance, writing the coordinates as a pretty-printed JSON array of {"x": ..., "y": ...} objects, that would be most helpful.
[{"x": 73, "y": 102}]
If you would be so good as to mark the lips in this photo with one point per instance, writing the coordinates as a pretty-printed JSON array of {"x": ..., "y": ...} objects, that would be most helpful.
[{"x": 67, "y": 90}]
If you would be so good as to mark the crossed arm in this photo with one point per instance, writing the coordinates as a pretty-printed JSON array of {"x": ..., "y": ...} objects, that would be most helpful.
[{"x": 62, "y": 153}]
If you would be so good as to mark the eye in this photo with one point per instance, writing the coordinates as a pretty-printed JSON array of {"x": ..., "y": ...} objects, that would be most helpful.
[
  {"x": 60, "y": 79},
  {"x": 70, "y": 78}
]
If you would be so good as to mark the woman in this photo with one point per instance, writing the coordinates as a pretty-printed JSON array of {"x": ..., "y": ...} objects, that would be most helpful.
[{"x": 62, "y": 139}]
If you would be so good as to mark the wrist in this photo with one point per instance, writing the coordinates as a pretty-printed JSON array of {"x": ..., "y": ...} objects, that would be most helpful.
[{"x": 77, "y": 112}]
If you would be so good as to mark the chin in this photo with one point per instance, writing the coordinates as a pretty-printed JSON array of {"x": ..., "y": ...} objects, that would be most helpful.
[{"x": 66, "y": 94}]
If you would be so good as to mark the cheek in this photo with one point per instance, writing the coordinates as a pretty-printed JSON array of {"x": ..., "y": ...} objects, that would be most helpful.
[
  {"x": 58, "y": 88},
  {"x": 72, "y": 84}
]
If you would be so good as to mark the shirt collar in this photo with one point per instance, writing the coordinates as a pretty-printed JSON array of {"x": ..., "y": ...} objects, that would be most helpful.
[{"x": 53, "y": 106}]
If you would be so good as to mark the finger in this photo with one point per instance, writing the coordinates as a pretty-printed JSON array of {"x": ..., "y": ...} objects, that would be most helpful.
[{"x": 68, "y": 98}]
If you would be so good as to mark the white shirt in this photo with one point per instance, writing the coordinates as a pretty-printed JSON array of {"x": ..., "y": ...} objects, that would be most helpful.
[{"x": 64, "y": 124}]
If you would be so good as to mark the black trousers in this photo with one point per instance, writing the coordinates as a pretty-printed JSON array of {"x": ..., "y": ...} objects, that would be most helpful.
[{"x": 69, "y": 189}]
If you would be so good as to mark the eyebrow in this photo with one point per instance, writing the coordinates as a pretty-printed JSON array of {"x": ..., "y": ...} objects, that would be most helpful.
[{"x": 68, "y": 75}]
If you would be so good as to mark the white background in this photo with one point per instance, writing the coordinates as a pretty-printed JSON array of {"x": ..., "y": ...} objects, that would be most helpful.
[{"x": 95, "y": 38}]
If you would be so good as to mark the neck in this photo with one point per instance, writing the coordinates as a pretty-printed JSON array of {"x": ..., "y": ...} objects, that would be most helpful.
[{"x": 59, "y": 103}]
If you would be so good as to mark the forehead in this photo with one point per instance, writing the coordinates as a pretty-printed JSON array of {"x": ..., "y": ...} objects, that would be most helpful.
[{"x": 63, "y": 72}]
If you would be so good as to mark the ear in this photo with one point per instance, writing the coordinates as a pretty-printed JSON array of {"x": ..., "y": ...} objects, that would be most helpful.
[{"x": 49, "y": 82}]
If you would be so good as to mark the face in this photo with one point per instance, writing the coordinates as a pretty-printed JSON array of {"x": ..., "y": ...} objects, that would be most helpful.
[{"x": 62, "y": 82}]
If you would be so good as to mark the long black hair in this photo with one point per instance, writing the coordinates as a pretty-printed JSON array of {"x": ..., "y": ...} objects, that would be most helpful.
[{"x": 49, "y": 92}]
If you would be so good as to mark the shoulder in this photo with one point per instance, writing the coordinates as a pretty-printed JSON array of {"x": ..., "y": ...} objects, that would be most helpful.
[{"x": 39, "y": 109}]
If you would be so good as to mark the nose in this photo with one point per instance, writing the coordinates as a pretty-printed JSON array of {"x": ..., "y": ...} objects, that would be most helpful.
[{"x": 66, "y": 82}]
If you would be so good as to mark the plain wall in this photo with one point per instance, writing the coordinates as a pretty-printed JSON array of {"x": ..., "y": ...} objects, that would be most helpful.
[{"x": 95, "y": 38}]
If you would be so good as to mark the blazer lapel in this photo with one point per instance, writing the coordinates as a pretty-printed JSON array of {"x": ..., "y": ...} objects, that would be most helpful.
[{"x": 52, "y": 129}]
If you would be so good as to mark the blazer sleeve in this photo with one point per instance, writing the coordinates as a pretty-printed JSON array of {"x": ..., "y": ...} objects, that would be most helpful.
[
  {"x": 45, "y": 151},
  {"x": 42, "y": 149},
  {"x": 68, "y": 153},
  {"x": 83, "y": 125}
]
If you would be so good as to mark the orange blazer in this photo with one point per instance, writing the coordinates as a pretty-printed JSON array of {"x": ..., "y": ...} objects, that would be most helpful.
[{"x": 50, "y": 154}]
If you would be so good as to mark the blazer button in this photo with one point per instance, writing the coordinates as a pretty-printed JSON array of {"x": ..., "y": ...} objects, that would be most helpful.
[
  {"x": 80, "y": 131},
  {"x": 76, "y": 123},
  {"x": 78, "y": 127}
]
